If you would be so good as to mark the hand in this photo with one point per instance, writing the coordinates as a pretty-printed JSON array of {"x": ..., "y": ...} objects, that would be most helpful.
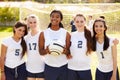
[
  {"x": 69, "y": 56},
  {"x": 47, "y": 50},
  {"x": 2, "y": 76},
  {"x": 65, "y": 51},
  {"x": 113, "y": 78},
  {"x": 116, "y": 41}
]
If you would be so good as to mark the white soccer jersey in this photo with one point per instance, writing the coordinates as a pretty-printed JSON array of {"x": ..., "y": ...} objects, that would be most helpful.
[
  {"x": 35, "y": 62},
  {"x": 79, "y": 60},
  {"x": 13, "y": 54},
  {"x": 51, "y": 35},
  {"x": 105, "y": 61}
]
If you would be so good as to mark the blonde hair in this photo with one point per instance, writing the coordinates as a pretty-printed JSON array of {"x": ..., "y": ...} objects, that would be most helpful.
[{"x": 33, "y": 16}]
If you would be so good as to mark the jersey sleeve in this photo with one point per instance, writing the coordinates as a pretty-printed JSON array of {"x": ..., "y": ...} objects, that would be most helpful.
[
  {"x": 5, "y": 42},
  {"x": 111, "y": 41}
]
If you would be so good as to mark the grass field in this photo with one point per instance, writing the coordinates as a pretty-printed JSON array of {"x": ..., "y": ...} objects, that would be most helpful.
[{"x": 94, "y": 58}]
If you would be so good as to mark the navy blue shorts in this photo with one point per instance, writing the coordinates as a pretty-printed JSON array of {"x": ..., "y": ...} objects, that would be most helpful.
[
  {"x": 18, "y": 73},
  {"x": 79, "y": 75},
  {"x": 104, "y": 76},
  {"x": 55, "y": 73},
  {"x": 35, "y": 75}
]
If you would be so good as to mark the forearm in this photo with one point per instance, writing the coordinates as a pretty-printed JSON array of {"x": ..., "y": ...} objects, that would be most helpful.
[
  {"x": 2, "y": 64},
  {"x": 114, "y": 54},
  {"x": 114, "y": 67},
  {"x": 68, "y": 44},
  {"x": 3, "y": 56},
  {"x": 43, "y": 51}
]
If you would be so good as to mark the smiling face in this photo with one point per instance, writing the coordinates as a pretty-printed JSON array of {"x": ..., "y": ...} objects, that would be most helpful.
[
  {"x": 55, "y": 19},
  {"x": 80, "y": 22},
  {"x": 20, "y": 29},
  {"x": 19, "y": 32},
  {"x": 99, "y": 27},
  {"x": 32, "y": 22}
]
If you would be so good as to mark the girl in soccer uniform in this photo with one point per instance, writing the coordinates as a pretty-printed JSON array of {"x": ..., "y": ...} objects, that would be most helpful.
[
  {"x": 80, "y": 49},
  {"x": 55, "y": 66},
  {"x": 35, "y": 62},
  {"x": 106, "y": 52},
  {"x": 12, "y": 51}
]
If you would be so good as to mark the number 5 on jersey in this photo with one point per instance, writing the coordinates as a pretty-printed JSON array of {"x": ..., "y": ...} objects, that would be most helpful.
[{"x": 17, "y": 52}]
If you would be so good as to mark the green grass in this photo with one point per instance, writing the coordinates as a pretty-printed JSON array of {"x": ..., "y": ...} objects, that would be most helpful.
[
  {"x": 5, "y": 29},
  {"x": 94, "y": 58}
]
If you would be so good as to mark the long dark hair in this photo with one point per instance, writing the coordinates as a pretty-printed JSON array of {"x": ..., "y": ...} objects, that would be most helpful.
[
  {"x": 87, "y": 36},
  {"x": 89, "y": 40},
  {"x": 106, "y": 39},
  {"x": 23, "y": 43},
  {"x": 61, "y": 17}
]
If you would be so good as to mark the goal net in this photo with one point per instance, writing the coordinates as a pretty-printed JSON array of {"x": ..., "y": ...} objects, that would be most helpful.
[{"x": 111, "y": 11}]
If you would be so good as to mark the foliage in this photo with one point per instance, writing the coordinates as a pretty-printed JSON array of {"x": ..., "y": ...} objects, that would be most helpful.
[{"x": 9, "y": 14}]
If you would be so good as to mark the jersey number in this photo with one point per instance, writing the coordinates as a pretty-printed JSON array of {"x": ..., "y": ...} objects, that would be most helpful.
[
  {"x": 32, "y": 46},
  {"x": 17, "y": 52},
  {"x": 102, "y": 55},
  {"x": 80, "y": 44}
]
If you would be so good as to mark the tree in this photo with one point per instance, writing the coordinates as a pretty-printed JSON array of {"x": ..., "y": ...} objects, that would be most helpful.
[{"x": 8, "y": 14}]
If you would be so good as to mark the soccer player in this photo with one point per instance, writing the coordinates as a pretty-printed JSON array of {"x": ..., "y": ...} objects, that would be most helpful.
[
  {"x": 35, "y": 62},
  {"x": 55, "y": 66},
  {"x": 13, "y": 49},
  {"x": 80, "y": 49},
  {"x": 72, "y": 24},
  {"x": 90, "y": 22},
  {"x": 106, "y": 51}
]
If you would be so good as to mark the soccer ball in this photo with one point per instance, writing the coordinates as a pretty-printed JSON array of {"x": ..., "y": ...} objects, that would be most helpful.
[{"x": 56, "y": 48}]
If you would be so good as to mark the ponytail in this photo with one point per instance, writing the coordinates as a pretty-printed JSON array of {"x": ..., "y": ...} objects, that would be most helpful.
[
  {"x": 24, "y": 46},
  {"x": 89, "y": 41}
]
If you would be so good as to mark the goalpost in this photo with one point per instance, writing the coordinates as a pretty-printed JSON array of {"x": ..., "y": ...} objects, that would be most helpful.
[{"x": 43, "y": 17}]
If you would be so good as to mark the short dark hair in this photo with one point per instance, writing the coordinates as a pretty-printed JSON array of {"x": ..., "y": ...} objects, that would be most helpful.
[{"x": 103, "y": 17}]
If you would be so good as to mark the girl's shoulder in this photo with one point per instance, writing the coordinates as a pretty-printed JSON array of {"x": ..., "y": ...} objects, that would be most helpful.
[
  {"x": 7, "y": 38},
  {"x": 63, "y": 29},
  {"x": 46, "y": 30},
  {"x": 27, "y": 36},
  {"x": 7, "y": 41}
]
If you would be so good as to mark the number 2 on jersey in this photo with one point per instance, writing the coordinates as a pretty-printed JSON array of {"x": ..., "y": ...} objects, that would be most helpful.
[{"x": 80, "y": 44}]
